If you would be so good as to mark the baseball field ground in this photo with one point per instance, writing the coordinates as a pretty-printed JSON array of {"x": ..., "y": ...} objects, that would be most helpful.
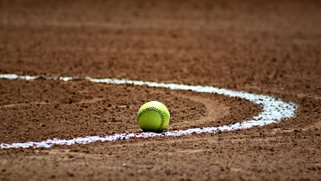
[{"x": 241, "y": 79}]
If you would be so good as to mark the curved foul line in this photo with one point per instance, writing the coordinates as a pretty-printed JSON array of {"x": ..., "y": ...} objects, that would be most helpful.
[{"x": 274, "y": 110}]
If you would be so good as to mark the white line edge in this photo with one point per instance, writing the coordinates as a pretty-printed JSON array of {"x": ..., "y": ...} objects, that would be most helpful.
[{"x": 274, "y": 111}]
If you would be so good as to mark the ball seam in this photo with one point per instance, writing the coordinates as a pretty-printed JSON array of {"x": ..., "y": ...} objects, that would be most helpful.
[{"x": 153, "y": 109}]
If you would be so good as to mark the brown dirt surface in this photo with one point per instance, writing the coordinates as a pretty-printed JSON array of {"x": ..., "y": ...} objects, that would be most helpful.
[
  {"x": 266, "y": 47},
  {"x": 43, "y": 109}
]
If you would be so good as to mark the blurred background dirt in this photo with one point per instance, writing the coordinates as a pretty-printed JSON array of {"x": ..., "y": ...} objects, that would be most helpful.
[{"x": 266, "y": 47}]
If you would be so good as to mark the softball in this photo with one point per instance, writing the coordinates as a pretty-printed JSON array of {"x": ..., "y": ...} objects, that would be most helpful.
[{"x": 153, "y": 116}]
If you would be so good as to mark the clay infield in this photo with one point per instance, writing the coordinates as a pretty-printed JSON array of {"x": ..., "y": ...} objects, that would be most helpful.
[{"x": 268, "y": 48}]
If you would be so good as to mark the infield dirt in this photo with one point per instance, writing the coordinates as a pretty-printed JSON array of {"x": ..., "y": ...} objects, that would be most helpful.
[{"x": 270, "y": 48}]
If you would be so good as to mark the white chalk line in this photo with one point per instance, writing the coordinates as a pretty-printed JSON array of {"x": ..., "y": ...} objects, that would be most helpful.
[{"x": 273, "y": 111}]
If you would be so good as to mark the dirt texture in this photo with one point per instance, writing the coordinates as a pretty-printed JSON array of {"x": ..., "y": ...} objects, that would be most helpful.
[{"x": 265, "y": 47}]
